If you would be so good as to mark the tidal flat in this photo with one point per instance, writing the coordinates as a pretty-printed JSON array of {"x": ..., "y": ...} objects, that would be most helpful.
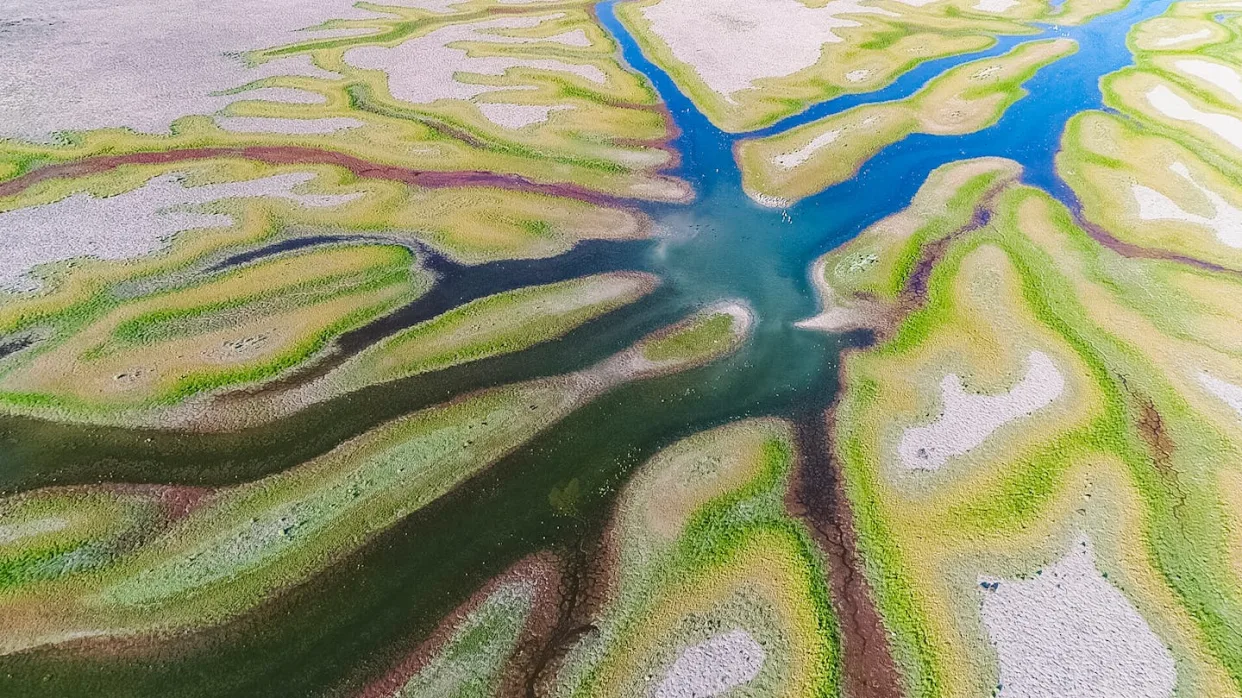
[{"x": 586, "y": 348}]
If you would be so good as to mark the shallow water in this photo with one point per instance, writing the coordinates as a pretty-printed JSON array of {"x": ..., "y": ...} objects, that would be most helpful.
[{"x": 337, "y": 632}]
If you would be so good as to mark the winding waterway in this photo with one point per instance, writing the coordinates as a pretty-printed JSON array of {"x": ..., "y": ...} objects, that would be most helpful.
[{"x": 334, "y": 634}]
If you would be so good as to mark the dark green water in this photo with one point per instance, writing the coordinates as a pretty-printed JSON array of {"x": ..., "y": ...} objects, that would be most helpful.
[{"x": 352, "y": 623}]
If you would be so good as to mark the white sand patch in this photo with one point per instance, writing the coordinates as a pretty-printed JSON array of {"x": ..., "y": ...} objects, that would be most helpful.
[
  {"x": 427, "y": 69},
  {"x": 86, "y": 64},
  {"x": 575, "y": 37},
  {"x": 1228, "y": 392},
  {"x": 1183, "y": 38},
  {"x": 1068, "y": 633},
  {"x": 713, "y": 667},
  {"x": 733, "y": 43},
  {"x": 285, "y": 95},
  {"x": 28, "y": 529},
  {"x": 768, "y": 201},
  {"x": 858, "y": 75},
  {"x": 516, "y": 116},
  {"x": 268, "y": 124},
  {"x": 1216, "y": 74},
  {"x": 128, "y": 225},
  {"x": 1175, "y": 106},
  {"x": 792, "y": 159},
  {"x": 968, "y": 419},
  {"x": 995, "y": 5},
  {"x": 1226, "y": 220}
]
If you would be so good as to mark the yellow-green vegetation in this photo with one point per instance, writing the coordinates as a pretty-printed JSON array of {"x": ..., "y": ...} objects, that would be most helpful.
[
  {"x": 863, "y": 285},
  {"x": 746, "y": 66},
  {"x": 248, "y": 542},
  {"x": 1074, "y": 12},
  {"x": 470, "y": 224},
  {"x": 498, "y": 324},
  {"x": 236, "y": 327},
  {"x": 1184, "y": 84},
  {"x": 711, "y": 332},
  {"x": 1151, "y": 191},
  {"x": 57, "y": 533},
  {"x": 805, "y": 160},
  {"x": 124, "y": 316},
  {"x": 1163, "y": 175},
  {"x": 1186, "y": 27},
  {"x": 536, "y": 92},
  {"x": 492, "y": 326},
  {"x": 1033, "y": 390},
  {"x": 473, "y": 651},
  {"x": 704, "y": 558}
]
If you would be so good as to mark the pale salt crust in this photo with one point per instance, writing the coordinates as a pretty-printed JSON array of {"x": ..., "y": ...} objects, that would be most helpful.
[
  {"x": 1183, "y": 38},
  {"x": 426, "y": 69},
  {"x": 1226, "y": 219},
  {"x": 1228, "y": 392},
  {"x": 27, "y": 529},
  {"x": 858, "y": 75},
  {"x": 1068, "y": 633},
  {"x": 792, "y": 159},
  {"x": 87, "y": 64},
  {"x": 995, "y": 5},
  {"x": 128, "y": 225},
  {"x": 1220, "y": 76},
  {"x": 515, "y": 116},
  {"x": 968, "y": 419},
  {"x": 733, "y": 43},
  {"x": 576, "y": 37},
  {"x": 1176, "y": 107},
  {"x": 267, "y": 124},
  {"x": 713, "y": 667}
]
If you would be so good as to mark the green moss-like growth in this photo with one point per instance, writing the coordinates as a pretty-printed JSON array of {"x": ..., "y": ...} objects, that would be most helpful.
[
  {"x": 248, "y": 542},
  {"x": 499, "y": 324},
  {"x": 1121, "y": 453},
  {"x": 703, "y": 548},
  {"x": 712, "y": 332},
  {"x": 237, "y": 328}
]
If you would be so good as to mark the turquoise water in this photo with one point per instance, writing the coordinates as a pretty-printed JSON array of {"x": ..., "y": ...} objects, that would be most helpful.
[{"x": 336, "y": 633}]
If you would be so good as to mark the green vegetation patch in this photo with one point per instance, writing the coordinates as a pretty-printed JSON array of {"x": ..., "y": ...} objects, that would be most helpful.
[
  {"x": 498, "y": 324},
  {"x": 705, "y": 552}
]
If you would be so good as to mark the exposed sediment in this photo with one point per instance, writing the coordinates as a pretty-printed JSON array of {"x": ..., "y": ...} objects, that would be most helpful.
[
  {"x": 300, "y": 155},
  {"x": 817, "y": 496}
]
